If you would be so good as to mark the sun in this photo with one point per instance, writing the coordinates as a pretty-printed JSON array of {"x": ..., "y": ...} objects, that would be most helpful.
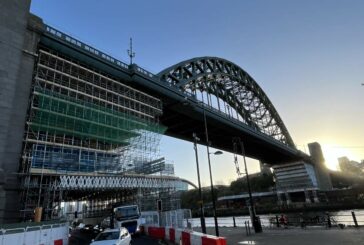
[{"x": 332, "y": 153}]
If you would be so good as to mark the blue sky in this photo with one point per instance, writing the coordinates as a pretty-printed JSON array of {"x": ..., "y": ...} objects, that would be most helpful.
[{"x": 306, "y": 55}]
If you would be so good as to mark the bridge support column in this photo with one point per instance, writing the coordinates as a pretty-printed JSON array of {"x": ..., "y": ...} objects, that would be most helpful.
[{"x": 18, "y": 44}]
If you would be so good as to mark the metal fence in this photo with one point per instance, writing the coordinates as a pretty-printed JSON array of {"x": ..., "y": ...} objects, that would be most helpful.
[
  {"x": 175, "y": 218},
  {"x": 324, "y": 219}
]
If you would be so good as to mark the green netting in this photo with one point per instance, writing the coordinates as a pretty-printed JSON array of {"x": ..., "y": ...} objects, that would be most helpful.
[{"x": 61, "y": 114}]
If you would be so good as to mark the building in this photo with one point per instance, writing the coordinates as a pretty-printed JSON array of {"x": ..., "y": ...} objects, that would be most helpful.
[
  {"x": 67, "y": 114},
  {"x": 296, "y": 175},
  {"x": 295, "y": 179},
  {"x": 322, "y": 173},
  {"x": 306, "y": 177},
  {"x": 351, "y": 167}
]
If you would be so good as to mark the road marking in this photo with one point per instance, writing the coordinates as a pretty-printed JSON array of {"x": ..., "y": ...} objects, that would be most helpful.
[{"x": 247, "y": 242}]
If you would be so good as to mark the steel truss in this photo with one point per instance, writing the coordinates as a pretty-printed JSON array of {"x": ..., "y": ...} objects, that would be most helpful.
[
  {"x": 100, "y": 192},
  {"x": 71, "y": 182},
  {"x": 227, "y": 87}
]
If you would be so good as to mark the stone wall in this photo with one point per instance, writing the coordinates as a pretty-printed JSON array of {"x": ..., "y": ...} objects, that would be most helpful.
[{"x": 18, "y": 42}]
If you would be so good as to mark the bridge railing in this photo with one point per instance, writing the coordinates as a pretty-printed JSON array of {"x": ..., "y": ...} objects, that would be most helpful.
[
  {"x": 61, "y": 35},
  {"x": 144, "y": 72}
]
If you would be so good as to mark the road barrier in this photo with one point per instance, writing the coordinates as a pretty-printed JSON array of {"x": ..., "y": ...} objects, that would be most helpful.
[
  {"x": 183, "y": 236},
  {"x": 157, "y": 232},
  {"x": 34, "y": 234}
]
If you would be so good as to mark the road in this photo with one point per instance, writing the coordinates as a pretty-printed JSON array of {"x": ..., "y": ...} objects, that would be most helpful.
[{"x": 78, "y": 238}]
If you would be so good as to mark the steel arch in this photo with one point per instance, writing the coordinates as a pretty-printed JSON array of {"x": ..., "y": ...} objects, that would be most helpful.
[{"x": 230, "y": 83}]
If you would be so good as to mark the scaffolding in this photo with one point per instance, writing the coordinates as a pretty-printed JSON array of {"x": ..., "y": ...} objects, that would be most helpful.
[{"x": 83, "y": 121}]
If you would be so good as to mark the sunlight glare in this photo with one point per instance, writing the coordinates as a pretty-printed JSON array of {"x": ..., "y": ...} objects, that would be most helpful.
[{"x": 332, "y": 153}]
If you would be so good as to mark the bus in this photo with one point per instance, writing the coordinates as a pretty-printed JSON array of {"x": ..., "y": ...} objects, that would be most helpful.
[{"x": 128, "y": 217}]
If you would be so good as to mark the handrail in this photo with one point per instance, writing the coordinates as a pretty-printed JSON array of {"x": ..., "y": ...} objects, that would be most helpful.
[{"x": 61, "y": 35}]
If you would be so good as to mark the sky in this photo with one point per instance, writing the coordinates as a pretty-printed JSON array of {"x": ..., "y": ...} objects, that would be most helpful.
[{"x": 306, "y": 55}]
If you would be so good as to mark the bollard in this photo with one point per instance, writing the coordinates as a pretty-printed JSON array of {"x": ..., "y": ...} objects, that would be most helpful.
[
  {"x": 277, "y": 220},
  {"x": 328, "y": 220},
  {"x": 249, "y": 227},
  {"x": 38, "y": 214},
  {"x": 234, "y": 221},
  {"x": 354, "y": 218},
  {"x": 246, "y": 228}
]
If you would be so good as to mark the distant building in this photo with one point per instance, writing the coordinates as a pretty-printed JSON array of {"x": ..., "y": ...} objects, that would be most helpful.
[
  {"x": 322, "y": 173},
  {"x": 296, "y": 175},
  {"x": 352, "y": 167},
  {"x": 295, "y": 179},
  {"x": 264, "y": 168}
]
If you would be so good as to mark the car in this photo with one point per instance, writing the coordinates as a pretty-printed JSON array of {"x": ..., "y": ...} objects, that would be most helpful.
[
  {"x": 113, "y": 237},
  {"x": 105, "y": 223},
  {"x": 90, "y": 230}
]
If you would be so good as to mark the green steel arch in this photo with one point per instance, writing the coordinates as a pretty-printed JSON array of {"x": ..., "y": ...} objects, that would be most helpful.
[{"x": 226, "y": 81}]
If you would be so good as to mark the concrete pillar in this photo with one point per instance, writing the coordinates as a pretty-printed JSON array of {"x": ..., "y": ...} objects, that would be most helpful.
[{"x": 18, "y": 43}]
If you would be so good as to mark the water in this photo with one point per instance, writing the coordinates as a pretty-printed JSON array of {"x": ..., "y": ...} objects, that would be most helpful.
[{"x": 268, "y": 220}]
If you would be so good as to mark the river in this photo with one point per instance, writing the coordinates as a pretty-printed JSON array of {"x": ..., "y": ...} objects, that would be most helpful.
[{"x": 311, "y": 218}]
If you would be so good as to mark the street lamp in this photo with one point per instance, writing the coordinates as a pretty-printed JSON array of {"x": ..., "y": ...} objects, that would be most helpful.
[
  {"x": 208, "y": 158},
  {"x": 212, "y": 189},
  {"x": 202, "y": 216},
  {"x": 256, "y": 223}
]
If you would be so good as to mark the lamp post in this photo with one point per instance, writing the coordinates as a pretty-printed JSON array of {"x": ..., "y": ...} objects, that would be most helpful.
[
  {"x": 209, "y": 162},
  {"x": 256, "y": 223},
  {"x": 202, "y": 215},
  {"x": 212, "y": 189}
]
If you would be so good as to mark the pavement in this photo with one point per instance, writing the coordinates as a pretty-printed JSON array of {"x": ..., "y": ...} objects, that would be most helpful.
[{"x": 294, "y": 236}]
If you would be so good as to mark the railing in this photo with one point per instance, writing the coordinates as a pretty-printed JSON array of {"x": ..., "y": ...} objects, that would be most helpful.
[
  {"x": 326, "y": 220},
  {"x": 58, "y": 34},
  {"x": 61, "y": 35},
  {"x": 144, "y": 72}
]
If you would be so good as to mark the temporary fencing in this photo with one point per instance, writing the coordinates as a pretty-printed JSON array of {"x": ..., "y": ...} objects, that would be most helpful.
[
  {"x": 183, "y": 236},
  {"x": 46, "y": 234}
]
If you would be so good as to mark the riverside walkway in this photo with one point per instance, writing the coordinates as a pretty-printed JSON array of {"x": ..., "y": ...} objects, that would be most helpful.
[{"x": 294, "y": 236}]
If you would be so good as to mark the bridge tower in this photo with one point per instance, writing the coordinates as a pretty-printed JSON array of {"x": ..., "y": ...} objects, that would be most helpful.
[
  {"x": 19, "y": 35},
  {"x": 322, "y": 172}
]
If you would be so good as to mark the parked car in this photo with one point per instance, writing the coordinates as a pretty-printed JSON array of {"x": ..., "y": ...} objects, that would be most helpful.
[
  {"x": 113, "y": 237},
  {"x": 105, "y": 223},
  {"x": 90, "y": 230}
]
